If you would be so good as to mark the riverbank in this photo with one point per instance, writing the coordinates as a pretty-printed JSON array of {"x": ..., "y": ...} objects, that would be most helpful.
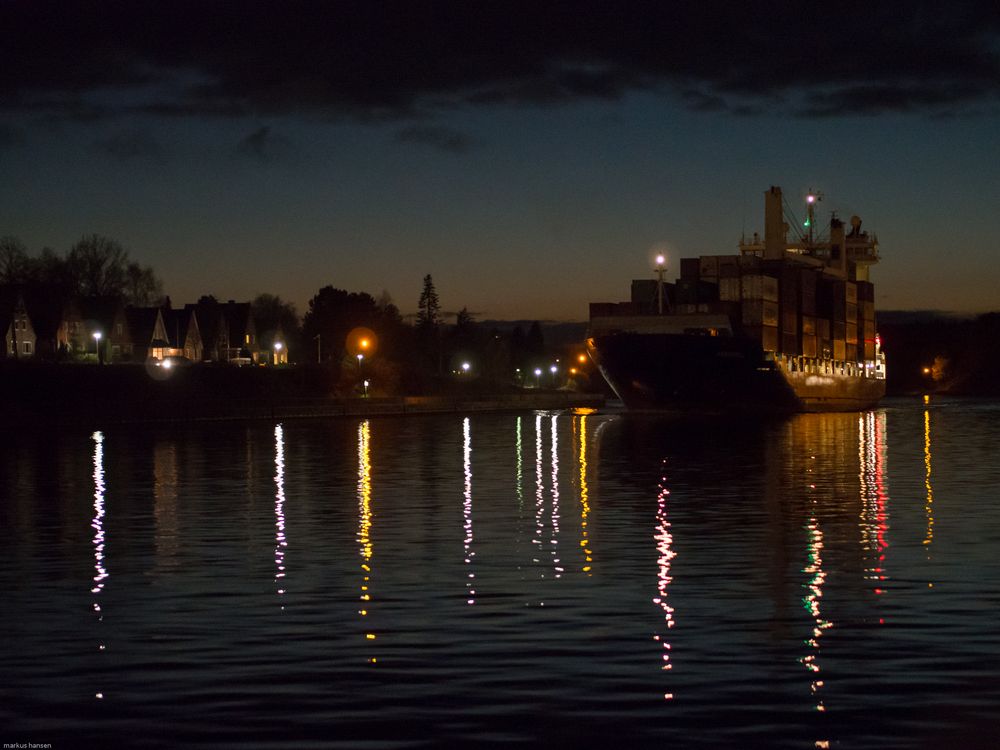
[{"x": 93, "y": 396}]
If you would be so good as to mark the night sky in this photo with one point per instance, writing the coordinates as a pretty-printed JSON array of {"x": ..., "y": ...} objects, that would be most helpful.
[{"x": 531, "y": 157}]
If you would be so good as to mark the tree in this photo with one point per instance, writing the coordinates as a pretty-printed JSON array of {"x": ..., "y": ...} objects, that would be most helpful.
[
  {"x": 333, "y": 313},
  {"x": 535, "y": 343},
  {"x": 99, "y": 266},
  {"x": 429, "y": 308},
  {"x": 274, "y": 318},
  {"x": 14, "y": 261},
  {"x": 142, "y": 287}
]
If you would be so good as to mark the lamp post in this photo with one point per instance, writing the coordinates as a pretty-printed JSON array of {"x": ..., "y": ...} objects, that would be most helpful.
[
  {"x": 277, "y": 352},
  {"x": 366, "y": 389},
  {"x": 660, "y": 268},
  {"x": 97, "y": 345},
  {"x": 538, "y": 375},
  {"x": 553, "y": 370}
]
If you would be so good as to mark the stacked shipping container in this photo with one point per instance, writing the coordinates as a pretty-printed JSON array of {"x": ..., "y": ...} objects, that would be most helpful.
[{"x": 790, "y": 308}]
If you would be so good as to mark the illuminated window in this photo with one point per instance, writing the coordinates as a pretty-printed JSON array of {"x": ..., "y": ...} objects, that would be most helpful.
[{"x": 248, "y": 338}]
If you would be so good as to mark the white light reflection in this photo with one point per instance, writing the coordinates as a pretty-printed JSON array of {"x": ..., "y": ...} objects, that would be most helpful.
[
  {"x": 811, "y": 600},
  {"x": 467, "y": 511},
  {"x": 664, "y": 542},
  {"x": 365, "y": 523},
  {"x": 280, "y": 542},
  {"x": 520, "y": 470},
  {"x": 539, "y": 491},
  {"x": 554, "y": 539},
  {"x": 97, "y": 524}
]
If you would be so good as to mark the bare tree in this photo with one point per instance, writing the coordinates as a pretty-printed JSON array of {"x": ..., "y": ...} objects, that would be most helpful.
[
  {"x": 14, "y": 261},
  {"x": 99, "y": 264},
  {"x": 142, "y": 287}
]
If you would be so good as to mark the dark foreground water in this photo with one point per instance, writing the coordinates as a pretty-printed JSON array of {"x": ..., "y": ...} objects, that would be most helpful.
[{"x": 543, "y": 579}]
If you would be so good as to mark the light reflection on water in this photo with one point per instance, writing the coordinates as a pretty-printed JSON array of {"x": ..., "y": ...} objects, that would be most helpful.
[
  {"x": 765, "y": 550},
  {"x": 100, "y": 570}
]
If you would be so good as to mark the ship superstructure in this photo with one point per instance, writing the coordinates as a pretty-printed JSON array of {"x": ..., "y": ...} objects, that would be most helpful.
[{"x": 787, "y": 323}]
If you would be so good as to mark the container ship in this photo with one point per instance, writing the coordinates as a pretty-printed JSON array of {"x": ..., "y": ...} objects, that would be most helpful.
[{"x": 785, "y": 325}]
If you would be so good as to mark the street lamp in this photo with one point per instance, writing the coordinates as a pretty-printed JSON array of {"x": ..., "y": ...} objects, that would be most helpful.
[
  {"x": 465, "y": 367},
  {"x": 660, "y": 267},
  {"x": 97, "y": 345},
  {"x": 366, "y": 389},
  {"x": 538, "y": 374},
  {"x": 553, "y": 370}
]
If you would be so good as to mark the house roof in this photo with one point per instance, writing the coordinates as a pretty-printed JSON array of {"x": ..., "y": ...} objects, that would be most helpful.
[
  {"x": 210, "y": 321},
  {"x": 239, "y": 318},
  {"x": 142, "y": 324},
  {"x": 103, "y": 311},
  {"x": 177, "y": 322}
]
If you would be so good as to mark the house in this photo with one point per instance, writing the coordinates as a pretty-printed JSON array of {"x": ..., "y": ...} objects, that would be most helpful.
[
  {"x": 183, "y": 332},
  {"x": 148, "y": 333},
  {"x": 106, "y": 327},
  {"x": 243, "y": 344},
  {"x": 212, "y": 328},
  {"x": 19, "y": 339}
]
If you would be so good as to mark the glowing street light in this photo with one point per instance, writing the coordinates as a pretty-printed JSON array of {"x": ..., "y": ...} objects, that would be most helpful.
[
  {"x": 661, "y": 265},
  {"x": 465, "y": 367},
  {"x": 97, "y": 344},
  {"x": 277, "y": 352},
  {"x": 366, "y": 388}
]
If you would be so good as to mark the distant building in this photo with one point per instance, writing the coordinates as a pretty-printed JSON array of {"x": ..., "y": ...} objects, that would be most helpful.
[
  {"x": 106, "y": 327},
  {"x": 213, "y": 330},
  {"x": 148, "y": 333},
  {"x": 20, "y": 341},
  {"x": 243, "y": 344},
  {"x": 183, "y": 332}
]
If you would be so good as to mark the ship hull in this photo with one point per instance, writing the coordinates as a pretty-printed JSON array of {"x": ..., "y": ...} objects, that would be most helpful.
[{"x": 723, "y": 374}]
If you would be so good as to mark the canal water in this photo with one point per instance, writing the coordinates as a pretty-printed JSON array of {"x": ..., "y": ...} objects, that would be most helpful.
[{"x": 542, "y": 579}]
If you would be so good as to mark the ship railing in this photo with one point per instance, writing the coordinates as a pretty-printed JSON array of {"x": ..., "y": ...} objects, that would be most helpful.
[{"x": 829, "y": 366}]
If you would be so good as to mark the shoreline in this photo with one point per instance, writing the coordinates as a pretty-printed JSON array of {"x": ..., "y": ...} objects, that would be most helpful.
[{"x": 127, "y": 412}]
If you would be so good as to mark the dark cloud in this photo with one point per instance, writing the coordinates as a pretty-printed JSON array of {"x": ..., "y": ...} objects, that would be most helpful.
[
  {"x": 132, "y": 145},
  {"x": 397, "y": 58},
  {"x": 444, "y": 139},
  {"x": 263, "y": 144},
  {"x": 10, "y": 136}
]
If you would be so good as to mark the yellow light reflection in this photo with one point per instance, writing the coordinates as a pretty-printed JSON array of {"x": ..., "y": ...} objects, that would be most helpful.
[
  {"x": 97, "y": 524},
  {"x": 584, "y": 499},
  {"x": 470, "y": 583},
  {"x": 554, "y": 539},
  {"x": 280, "y": 541},
  {"x": 365, "y": 521},
  {"x": 929, "y": 507},
  {"x": 665, "y": 556},
  {"x": 874, "y": 498}
]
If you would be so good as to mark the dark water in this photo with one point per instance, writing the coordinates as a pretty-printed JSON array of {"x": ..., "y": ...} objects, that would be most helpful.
[{"x": 544, "y": 579}]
